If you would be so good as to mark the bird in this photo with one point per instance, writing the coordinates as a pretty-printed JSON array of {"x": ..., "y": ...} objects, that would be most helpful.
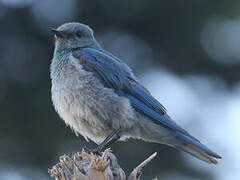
[{"x": 100, "y": 98}]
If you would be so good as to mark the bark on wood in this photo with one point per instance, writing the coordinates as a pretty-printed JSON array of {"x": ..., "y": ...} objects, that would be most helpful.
[{"x": 89, "y": 166}]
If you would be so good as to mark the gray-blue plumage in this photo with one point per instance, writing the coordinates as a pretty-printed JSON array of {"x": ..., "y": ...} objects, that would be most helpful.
[{"x": 95, "y": 93}]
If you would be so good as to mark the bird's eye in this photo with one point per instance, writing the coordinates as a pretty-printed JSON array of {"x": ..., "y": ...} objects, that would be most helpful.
[{"x": 79, "y": 34}]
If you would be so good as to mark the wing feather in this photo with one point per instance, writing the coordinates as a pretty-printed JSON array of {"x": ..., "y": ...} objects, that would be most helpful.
[{"x": 117, "y": 75}]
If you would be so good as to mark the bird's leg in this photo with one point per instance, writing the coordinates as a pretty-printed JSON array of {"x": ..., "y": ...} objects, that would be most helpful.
[{"x": 110, "y": 139}]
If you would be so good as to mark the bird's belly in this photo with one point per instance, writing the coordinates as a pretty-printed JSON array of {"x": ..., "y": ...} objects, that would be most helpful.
[{"x": 90, "y": 109}]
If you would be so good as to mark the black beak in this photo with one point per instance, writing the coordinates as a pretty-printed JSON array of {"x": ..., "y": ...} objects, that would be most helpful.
[{"x": 58, "y": 33}]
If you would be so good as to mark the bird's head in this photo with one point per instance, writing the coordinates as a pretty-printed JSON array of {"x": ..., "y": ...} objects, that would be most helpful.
[{"x": 73, "y": 35}]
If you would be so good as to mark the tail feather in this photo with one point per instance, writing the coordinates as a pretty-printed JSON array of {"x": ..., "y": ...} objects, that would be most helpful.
[{"x": 195, "y": 148}]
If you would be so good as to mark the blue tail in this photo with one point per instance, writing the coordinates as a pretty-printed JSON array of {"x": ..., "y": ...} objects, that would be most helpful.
[{"x": 194, "y": 147}]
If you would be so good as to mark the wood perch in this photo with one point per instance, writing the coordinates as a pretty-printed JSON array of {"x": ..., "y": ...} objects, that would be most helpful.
[{"x": 89, "y": 166}]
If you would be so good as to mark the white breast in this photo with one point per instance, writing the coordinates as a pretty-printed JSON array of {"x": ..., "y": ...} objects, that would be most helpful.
[{"x": 87, "y": 106}]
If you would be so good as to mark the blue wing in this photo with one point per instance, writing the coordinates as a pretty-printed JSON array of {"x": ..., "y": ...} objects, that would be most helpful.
[{"x": 115, "y": 74}]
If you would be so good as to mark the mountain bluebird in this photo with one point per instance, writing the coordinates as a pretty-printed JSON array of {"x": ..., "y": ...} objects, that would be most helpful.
[{"x": 97, "y": 94}]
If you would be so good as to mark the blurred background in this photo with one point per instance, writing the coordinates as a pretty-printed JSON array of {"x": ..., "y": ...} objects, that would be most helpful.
[{"x": 186, "y": 52}]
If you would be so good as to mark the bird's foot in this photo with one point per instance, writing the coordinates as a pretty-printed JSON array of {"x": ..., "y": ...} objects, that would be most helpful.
[
  {"x": 95, "y": 151},
  {"x": 110, "y": 139}
]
